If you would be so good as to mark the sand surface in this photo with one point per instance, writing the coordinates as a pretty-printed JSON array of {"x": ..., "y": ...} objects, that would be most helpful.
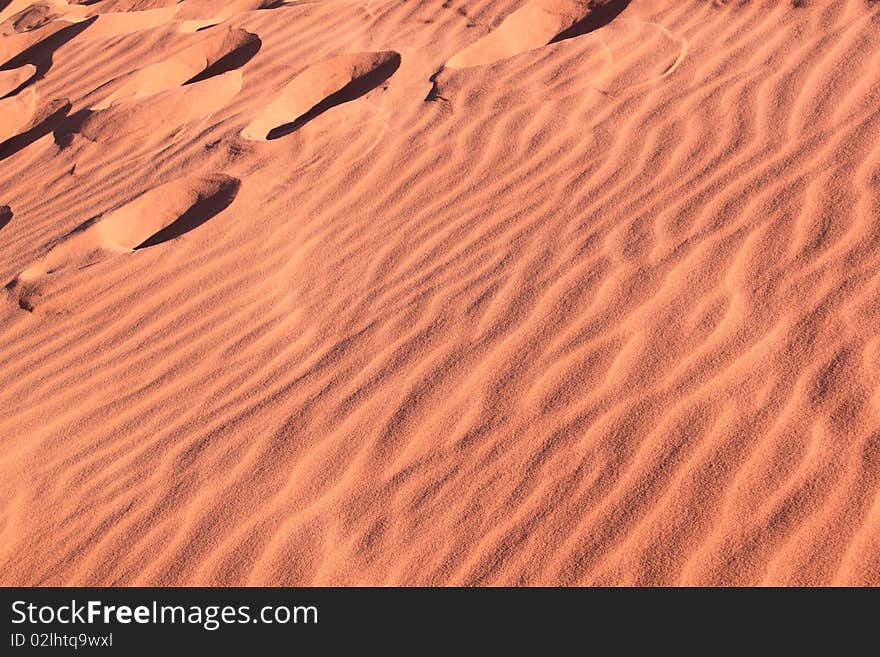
[{"x": 425, "y": 292}]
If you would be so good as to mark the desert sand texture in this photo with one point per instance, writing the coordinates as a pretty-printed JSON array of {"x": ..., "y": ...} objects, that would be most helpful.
[{"x": 462, "y": 292}]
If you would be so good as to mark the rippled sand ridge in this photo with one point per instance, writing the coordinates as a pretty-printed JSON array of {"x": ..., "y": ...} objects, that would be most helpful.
[{"x": 462, "y": 292}]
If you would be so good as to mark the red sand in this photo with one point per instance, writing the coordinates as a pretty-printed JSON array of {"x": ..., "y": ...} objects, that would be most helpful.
[{"x": 424, "y": 292}]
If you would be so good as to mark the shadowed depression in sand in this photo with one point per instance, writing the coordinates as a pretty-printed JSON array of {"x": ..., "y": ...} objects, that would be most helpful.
[{"x": 490, "y": 292}]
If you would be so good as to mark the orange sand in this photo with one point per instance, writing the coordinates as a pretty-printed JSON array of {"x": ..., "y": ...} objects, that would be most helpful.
[{"x": 425, "y": 292}]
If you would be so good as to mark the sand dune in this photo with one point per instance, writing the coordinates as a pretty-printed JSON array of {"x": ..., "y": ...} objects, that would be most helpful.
[{"x": 426, "y": 292}]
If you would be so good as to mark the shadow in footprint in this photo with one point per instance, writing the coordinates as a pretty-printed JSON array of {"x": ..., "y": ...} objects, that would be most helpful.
[
  {"x": 434, "y": 91},
  {"x": 56, "y": 118},
  {"x": 204, "y": 209},
  {"x": 5, "y": 216},
  {"x": 230, "y": 61},
  {"x": 41, "y": 53},
  {"x": 597, "y": 18},
  {"x": 352, "y": 91},
  {"x": 70, "y": 125}
]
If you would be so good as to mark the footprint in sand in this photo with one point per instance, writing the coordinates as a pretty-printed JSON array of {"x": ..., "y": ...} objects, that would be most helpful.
[
  {"x": 37, "y": 48},
  {"x": 160, "y": 215},
  {"x": 14, "y": 80},
  {"x": 158, "y": 99},
  {"x": 121, "y": 23},
  {"x": 201, "y": 14},
  {"x": 611, "y": 63},
  {"x": 155, "y": 117},
  {"x": 17, "y": 113},
  {"x": 536, "y": 24},
  {"x": 321, "y": 87},
  {"x": 32, "y": 18},
  {"x": 119, "y": 6},
  {"x": 217, "y": 54},
  {"x": 106, "y": 20},
  {"x": 25, "y": 118}
]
